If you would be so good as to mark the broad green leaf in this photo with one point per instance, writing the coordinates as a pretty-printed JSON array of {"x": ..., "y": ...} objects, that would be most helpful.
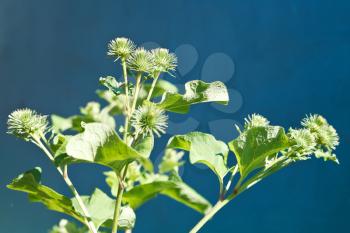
[
  {"x": 176, "y": 190},
  {"x": 145, "y": 145},
  {"x": 196, "y": 91},
  {"x": 101, "y": 207},
  {"x": 100, "y": 144},
  {"x": 203, "y": 148},
  {"x": 29, "y": 182},
  {"x": 257, "y": 144}
]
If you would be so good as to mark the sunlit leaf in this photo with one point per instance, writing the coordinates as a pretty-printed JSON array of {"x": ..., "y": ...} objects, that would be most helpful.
[
  {"x": 176, "y": 190},
  {"x": 100, "y": 144},
  {"x": 99, "y": 204},
  {"x": 256, "y": 144},
  {"x": 196, "y": 92},
  {"x": 203, "y": 148}
]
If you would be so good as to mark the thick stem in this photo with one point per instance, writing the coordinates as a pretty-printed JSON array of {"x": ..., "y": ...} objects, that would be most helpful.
[
  {"x": 209, "y": 215},
  {"x": 87, "y": 216},
  {"x": 152, "y": 87}
]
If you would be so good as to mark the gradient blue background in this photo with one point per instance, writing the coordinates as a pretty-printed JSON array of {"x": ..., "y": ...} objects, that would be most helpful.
[{"x": 291, "y": 58}]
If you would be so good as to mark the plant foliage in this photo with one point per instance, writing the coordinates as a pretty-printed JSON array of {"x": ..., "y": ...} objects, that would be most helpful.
[{"x": 94, "y": 135}]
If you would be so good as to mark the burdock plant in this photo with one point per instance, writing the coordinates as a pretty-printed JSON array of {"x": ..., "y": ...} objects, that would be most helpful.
[{"x": 94, "y": 136}]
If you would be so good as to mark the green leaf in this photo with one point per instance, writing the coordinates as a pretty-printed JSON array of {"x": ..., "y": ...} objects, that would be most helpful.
[
  {"x": 145, "y": 145},
  {"x": 205, "y": 149},
  {"x": 60, "y": 123},
  {"x": 196, "y": 91},
  {"x": 176, "y": 190},
  {"x": 101, "y": 207},
  {"x": 161, "y": 87},
  {"x": 113, "y": 85},
  {"x": 171, "y": 161},
  {"x": 254, "y": 145},
  {"x": 29, "y": 182},
  {"x": 100, "y": 144},
  {"x": 92, "y": 112},
  {"x": 116, "y": 102}
]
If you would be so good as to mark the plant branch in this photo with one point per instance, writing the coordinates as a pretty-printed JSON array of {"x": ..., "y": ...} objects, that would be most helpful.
[
  {"x": 127, "y": 105},
  {"x": 229, "y": 183},
  {"x": 136, "y": 94},
  {"x": 209, "y": 215},
  {"x": 153, "y": 86},
  {"x": 87, "y": 216},
  {"x": 121, "y": 180},
  {"x": 119, "y": 200}
]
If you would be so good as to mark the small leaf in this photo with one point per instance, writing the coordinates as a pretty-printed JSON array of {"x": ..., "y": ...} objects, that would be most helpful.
[
  {"x": 256, "y": 144},
  {"x": 60, "y": 123},
  {"x": 100, "y": 144},
  {"x": 176, "y": 190},
  {"x": 205, "y": 149},
  {"x": 101, "y": 207},
  {"x": 145, "y": 145},
  {"x": 113, "y": 85},
  {"x": 92, "y": 112},
  {"x": 196, "y": 92}
]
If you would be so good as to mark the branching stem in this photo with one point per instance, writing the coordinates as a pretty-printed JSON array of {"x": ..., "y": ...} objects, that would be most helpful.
[{"x": 87, "y": 216}]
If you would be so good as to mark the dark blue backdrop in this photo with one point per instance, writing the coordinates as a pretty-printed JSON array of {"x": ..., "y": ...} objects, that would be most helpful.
[{"x": 290, "y": 58}]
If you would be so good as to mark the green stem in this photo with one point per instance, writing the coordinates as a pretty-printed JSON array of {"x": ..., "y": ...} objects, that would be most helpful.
[
  {"x": 209, "y": 215},
  {"x": 228, "y": 185},
  {"x": 87, "y": 216},
  {"x": 127, "y": 116},
  {"x": 152, "y": 87},
  {"x": 118, "y": 201},
  {"x": 136, "y": 94}
]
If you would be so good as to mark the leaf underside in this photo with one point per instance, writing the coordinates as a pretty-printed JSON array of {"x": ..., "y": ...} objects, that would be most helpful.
[
  {"x": 196, "y": 91},
  {"x": 176, "y": 190},
  {"x": 203, "y": 148}
]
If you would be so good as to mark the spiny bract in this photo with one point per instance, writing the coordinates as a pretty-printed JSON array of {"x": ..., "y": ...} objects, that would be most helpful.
[
  {"x": 26, "y": 123},
  {"x": 121, "y": 48},
  {"x": 148, "y": 119}
]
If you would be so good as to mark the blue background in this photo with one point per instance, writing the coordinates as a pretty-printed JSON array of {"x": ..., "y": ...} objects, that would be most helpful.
[{"x": 291, "y": 58}]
